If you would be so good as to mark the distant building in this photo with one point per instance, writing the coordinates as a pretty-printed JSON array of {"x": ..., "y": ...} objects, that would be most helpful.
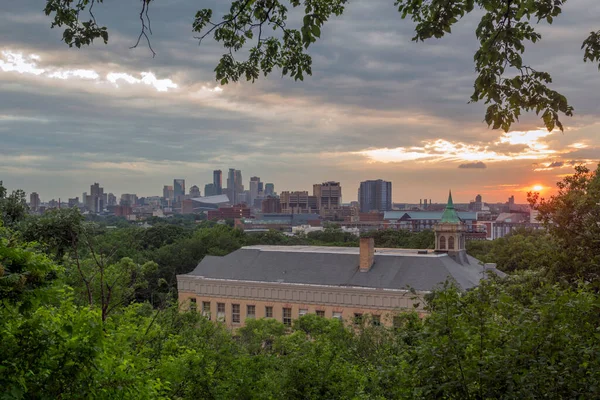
[
  {"x": 417, "y": 221},
  {"x": 34, "y": 201},
  {"x": 95, "y": 200},
  {"x": 255, "y": 184},
  {"x": 128, "y": 199},
  {"x": 210, "y": 189},
  {"x": 271, "y": 205},
  {"x": 269, "y": 189},
  {"x": 111, "y": 200},
  {"x": 123, "y": 210},
  {"x": 195, "y": 191},
  {"x": 298, "y": 202},
  {"x": 217, "y": 182},
  {"x": 328, "y": 196},
  {"x": 287, "y": 282},
  {"x": 229, "y": 213},
  {"x": 168, "y": 192},
  {"x": 73, "y": 202},
  {"x": 178, "y": 189},
  {"x": 375, "y": 195}
]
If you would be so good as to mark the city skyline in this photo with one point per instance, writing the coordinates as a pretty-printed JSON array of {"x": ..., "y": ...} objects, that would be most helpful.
[{"x": 376, "y": 107}]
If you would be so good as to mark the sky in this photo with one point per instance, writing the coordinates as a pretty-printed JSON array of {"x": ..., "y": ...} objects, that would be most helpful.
[{"x": 378, "y": 106}]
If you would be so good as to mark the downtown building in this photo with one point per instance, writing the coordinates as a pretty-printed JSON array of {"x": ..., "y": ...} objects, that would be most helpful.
[
  {"x": 287, "y": 282},
  {"x": 375, "y": 196}
]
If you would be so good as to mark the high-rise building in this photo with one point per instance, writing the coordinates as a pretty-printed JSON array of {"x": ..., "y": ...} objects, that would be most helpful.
[
  {"x": 95, "y": 200},
  {"x": 210, "y": 190},
  {"x": 168, "y": 192},
  {"x": 112, "y": 200},
  {"x": 34, "y": 201},
  {"x": 178, "y": 189},
  {"x": 254, "y": 185},
  {"x": 217, "y": 182},
  {"x": 261, "y": 189},
  {"x": 478, "y": 198},
  {"x": 195, "y": 191},
  {"x": 84, "y": 197},
  {"x": 235, "y": 187},
  {"x": 298, "y": 202},
  {"x": 128, "y": 199},
  {"x": 269, "y": 189},
  {"x": 74, "y": 202},
  {"x": 375, "y": 195},
  {"x": 329, "y": 197},
  {"x": 271, "y": 205}
]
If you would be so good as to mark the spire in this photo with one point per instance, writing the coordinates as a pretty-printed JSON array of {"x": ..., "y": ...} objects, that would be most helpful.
[{"x": 450, "y": 216}]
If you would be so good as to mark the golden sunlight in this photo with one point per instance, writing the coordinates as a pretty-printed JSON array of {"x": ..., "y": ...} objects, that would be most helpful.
[{"x": 537, "y": 188}]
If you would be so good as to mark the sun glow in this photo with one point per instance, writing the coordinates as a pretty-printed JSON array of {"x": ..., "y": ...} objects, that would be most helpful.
[{"x": 537, "y": 188}]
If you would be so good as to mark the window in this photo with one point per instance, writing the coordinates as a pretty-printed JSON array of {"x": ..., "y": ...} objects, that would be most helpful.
[
  {"x": 206, "y": 309},
  {"x": 251, "y": 311},
  {"x": 358, "y": 318},
  {"x": 221, "y": 312},
  {"x": 376, "y": 320},
  {"x": 337, "y": 315},
  {"x": 442, "y": 243},
  {"x": 235, "y": 313},
  {"x": 451, "y": 243},
  {"x": 268, "y": 312},
  {"x": 320, "y": 313},
  {"x": 193, "y": 303},
  {"x": 303, "y": 311},
  {"x": 287, "y": 316}
]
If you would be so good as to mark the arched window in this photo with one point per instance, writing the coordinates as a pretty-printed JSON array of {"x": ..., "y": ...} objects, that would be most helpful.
[
  {"x": 451, "y": 243},
  {"x": 442, "y": 243}
]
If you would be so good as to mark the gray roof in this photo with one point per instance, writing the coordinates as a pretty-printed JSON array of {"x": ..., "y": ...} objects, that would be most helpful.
[{"x": 338, "y": 266}]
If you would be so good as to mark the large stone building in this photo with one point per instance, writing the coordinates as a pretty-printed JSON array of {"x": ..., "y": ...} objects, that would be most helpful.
[{"x": 286, "y": 282}]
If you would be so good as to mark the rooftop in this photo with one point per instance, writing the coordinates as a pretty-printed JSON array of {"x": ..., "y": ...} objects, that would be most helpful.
[{"x": 393, "y": 269}]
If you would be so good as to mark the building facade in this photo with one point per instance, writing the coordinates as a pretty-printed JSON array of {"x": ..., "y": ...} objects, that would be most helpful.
[
  {"x": 217, "y": 182},
  {"x": 178, "y": 189},
  {"x": 375, "y": 195},
  {"x": 287, "y": 282},
  {"x": 34, "y": 201}
]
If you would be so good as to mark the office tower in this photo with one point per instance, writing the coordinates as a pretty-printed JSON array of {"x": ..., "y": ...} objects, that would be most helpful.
[
  {"x": 217, "y": 182},
  {"x": 261, "y": 189},
  {"x": 239, "y": 184},
  {"x": 298, "y": 202},
  {"x": 34, "y": 201},
  {"x": 84, "y": 199},
  {"x": 74, "y": 202},
  {"x": 269, "y": 189},
  {"x": 328, "y": 194},
  {"x": 478, "y": 198},
  {"x": 271, "y": 205},
  {"x": 112, "y": 200},
  {"x": 95, "y": 201},
  {"x": 178, "y": 189},
  {"x": 195, "y": 191},
  {"x": 128, "y": 199},
  {"x": 210, "y": 190},
  {"x": 511, "y": 201},
  {"x": 376, "y": 195},
  {"x": 168, "y": 192},
  {"x": 254, "y": 184}
]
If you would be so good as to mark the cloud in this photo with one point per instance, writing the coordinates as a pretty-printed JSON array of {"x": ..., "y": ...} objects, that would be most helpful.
[
  {"x": 473, "y": 165},
  {"x": 556, "y": 164}
]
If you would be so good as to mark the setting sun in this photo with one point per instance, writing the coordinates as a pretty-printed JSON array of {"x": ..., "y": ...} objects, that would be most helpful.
[{"x": 537, "y": 188}]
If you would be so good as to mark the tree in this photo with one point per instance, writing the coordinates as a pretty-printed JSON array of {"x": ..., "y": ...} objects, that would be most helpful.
[
  {"x": 13, "y": 208},
  {"x": 504, "y": 81},
  {"x": 573, "y": 219}
]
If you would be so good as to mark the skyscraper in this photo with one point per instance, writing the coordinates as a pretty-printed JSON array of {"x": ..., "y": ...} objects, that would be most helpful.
[
  {"x": 269, "y": 189},
  {"x": 329, "y": 197},
  {"x": 112, "y": 200},
  {"x": 178, "y": 189},
  {"x": 34, "y": 201},
  {"x": 217, "y": 182},
  {"x": 95, "y": 200},
  {"x": 235, "y": 187},
  {"x": 168, "y": 192},
  {"x": 254, "y": 184},
  {"x": 375, "y": 195},
  {"x": 209, "y": 189}
]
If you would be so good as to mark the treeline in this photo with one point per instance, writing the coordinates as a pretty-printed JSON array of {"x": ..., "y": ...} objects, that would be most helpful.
[{"x": 87, "y": 310}]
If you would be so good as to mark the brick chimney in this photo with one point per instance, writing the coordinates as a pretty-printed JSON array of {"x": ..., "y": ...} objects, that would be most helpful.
[{"x": 367, "y": 254}]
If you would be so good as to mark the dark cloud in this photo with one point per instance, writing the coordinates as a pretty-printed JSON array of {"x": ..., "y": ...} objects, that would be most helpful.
[
  {"x": 556, "y": 164},
  {"x": 473, "y": 165}
]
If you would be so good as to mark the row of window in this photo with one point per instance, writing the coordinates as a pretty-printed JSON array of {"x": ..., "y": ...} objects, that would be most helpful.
[{"x": 286, "y": 313}]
